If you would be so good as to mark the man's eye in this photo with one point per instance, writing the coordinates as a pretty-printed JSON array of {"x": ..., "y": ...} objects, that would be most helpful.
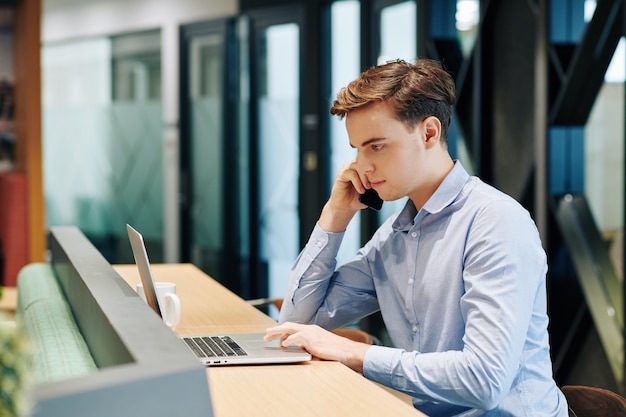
[{"x": 377, "y": 147}]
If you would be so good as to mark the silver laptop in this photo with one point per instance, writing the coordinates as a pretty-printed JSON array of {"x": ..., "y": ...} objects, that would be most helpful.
[{"x": 216, "y": 349}]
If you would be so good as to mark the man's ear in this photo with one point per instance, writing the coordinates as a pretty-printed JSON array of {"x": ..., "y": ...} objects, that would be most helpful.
[{"x": 432, "y": 127}]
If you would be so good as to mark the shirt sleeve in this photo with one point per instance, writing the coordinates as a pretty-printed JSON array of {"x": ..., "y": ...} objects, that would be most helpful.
[{"x": 319, "y": 294}]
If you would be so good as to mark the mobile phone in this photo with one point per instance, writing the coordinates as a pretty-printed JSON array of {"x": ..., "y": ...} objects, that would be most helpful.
[{"x": 371, "y": 199}]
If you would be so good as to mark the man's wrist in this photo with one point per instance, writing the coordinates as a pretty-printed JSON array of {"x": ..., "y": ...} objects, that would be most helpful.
[
  {"x": 335, "y": 221},
  {"x": 354, "y": 357}
]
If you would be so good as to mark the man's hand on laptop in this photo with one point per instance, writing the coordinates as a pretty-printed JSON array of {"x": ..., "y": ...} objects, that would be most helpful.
[{"x": 320, "y": 343}]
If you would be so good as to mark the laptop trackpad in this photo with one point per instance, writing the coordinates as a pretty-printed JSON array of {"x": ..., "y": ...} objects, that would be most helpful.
[{"x": 256, "y": 343}]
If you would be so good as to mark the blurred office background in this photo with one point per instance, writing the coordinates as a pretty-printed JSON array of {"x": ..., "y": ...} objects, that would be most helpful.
[{"x": 205, "y": 125}]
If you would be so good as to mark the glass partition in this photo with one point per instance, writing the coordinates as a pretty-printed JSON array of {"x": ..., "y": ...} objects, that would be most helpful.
[
  {"x": 602, "y": 139},
  {"x": 279, "y": 151},
  {"x": 398, "y": 32},
  {"x": 102, "y": 151},
  {"x": 467, "y": 18},
  {"x": 206, "y": 113},
  {"x": 604, "y": 157}
]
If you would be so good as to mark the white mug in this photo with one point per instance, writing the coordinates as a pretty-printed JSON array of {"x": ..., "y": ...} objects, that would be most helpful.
[{"x": 169, "y": 302}]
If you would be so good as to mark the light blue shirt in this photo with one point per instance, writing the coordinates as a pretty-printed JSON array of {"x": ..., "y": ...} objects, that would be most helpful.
[{"x": 461, "y": 288}]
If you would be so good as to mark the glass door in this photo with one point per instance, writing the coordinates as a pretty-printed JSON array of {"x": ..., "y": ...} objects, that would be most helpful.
[
  {"x": 102, "y": 110},
  {"x": 209, "y": 151},
  {"x": 275, "y": 148}
]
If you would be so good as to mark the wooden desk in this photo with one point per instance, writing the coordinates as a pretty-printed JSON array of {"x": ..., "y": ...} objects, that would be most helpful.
[{"x": 316, "y": 388}]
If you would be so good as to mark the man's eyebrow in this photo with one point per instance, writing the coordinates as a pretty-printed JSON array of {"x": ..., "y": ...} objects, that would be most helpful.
[{"x": 369, "y": 142}]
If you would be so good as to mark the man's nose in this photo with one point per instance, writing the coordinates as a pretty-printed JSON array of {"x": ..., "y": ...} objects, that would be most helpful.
[{"x": 363, "y": 165}]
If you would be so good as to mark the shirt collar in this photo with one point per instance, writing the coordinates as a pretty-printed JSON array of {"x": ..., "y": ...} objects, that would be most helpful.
[{"x": 445, "y": 194}]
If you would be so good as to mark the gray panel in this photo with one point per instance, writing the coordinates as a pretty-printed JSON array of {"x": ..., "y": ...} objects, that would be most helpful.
[{"x": 145, "y": 370}]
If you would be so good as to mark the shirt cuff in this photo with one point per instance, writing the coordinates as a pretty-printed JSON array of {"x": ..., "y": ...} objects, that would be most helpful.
[
  {"x": 379, "y": 362},
  {"x": 324, "y": 245}
]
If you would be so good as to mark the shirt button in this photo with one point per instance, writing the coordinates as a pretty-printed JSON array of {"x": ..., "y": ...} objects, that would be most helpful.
[
  {"x": 414, "y": 329},
  {"x": 319, "y": 244},
  {"x": 414, "y": 234},
  {"x": 410, "y": 280}
]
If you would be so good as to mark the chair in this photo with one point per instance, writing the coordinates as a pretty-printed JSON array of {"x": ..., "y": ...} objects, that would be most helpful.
[
  {"x": 593, "y": 402},
  {"x": 348, "y": 332}
]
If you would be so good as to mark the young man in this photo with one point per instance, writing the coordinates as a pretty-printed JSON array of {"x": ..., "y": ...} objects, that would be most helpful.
[{"x": 458, "y": 274}]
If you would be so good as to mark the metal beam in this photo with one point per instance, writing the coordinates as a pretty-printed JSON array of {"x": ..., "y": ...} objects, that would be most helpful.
[{"x": 585, "y": 74}]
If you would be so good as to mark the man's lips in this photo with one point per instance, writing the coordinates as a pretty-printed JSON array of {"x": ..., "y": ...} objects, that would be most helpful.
[{"x": 376, "y": 184}]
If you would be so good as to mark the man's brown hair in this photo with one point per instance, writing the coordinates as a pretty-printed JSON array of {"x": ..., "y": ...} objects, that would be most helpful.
[{"x": 415, "y": 91}]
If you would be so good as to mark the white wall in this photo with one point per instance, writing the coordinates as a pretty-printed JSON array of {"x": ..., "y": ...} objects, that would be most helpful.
[
  {"x": 604, "y": 158},
  {"x": 69, "y": 19},
  {"x": 64, "y": 20}
]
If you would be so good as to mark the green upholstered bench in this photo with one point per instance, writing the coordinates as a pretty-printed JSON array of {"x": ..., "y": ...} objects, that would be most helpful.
[{"x": 59, "y": 350}]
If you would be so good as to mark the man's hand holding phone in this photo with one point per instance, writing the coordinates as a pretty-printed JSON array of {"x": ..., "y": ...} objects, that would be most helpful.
[{"x": 347, "y": 199}]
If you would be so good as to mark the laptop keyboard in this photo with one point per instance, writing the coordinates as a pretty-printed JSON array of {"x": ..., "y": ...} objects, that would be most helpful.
[{"x": 212, "y": 346}]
